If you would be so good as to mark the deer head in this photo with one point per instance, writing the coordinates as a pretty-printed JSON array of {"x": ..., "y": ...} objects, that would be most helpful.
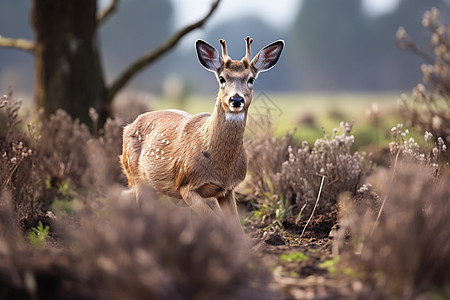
[{"x": 236, "y": 78}]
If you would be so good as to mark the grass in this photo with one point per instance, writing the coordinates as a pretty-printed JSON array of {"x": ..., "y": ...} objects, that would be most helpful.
[
  {"x": 38, "y": 235},
  {"x": 293, "y": 257}
]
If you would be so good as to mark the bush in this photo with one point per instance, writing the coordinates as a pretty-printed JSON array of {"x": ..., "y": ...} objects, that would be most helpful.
[
  {"x": 403, "y": 254},
  {"x": 55, "y": 157},
  {"x": 398, "y": 224},
  {"x": 120, "y": 251},
  {"x": 279, "y": 167},
  {"x": 430, "y": 107}
]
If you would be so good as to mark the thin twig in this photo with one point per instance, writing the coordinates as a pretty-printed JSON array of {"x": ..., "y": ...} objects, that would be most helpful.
[
  {"x": 377, "y": 220},
  {"x": 315, "y": 205},
  {"x": 21, "y": 44},
  {"x": 104, "y": 14},
  {"x": 151, "y": 56}
]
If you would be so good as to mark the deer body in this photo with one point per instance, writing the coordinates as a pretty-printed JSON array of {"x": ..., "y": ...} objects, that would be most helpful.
[{"x": 199, "y": 158}]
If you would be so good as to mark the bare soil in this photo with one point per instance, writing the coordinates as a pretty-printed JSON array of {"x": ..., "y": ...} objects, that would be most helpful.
[{"x": 302, "y": 266}]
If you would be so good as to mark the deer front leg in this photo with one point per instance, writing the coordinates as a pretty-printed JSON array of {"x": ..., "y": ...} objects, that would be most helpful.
[
  {"x": 228, "y": 205},
  {"x": 202, "y": 206}
]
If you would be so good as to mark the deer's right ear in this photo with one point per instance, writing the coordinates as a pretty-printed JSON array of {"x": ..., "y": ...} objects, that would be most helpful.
[{"x": 208, "y": 56}]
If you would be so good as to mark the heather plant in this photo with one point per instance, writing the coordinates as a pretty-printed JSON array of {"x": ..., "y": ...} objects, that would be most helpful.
[
  {"x": 430, "y": 106},
  {"x": 57, "y": 158},
  {"x": 430, "y": 154},
  {"x": 118, "y": 251},
  {"x": 402, "y": 253},
  {"x": 283, "y": 170},
  {"x": 16, "y": 155}
]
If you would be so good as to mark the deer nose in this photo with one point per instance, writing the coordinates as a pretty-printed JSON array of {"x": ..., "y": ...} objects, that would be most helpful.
[{"x": 237, "y": 101}]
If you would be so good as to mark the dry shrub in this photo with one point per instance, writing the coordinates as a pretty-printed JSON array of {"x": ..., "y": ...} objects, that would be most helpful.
[
  {"x": 430, "y": 154},
  {"x": 119, "y": 251},
  {"x": 398, "y": 223},
  {"x": 16, "y": 155},
  {"x": 267, "y": 153},
  {"x": 279, "y": 167},
  {"x": 404, "y": 254},
  {"x": 61, "y": 146},
  {"x": 56, "y": 157},
  {"x": 430, "y": 107}
]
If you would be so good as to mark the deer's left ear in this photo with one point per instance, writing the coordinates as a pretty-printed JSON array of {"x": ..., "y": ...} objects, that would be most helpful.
[{"x": 267, "y": 57}]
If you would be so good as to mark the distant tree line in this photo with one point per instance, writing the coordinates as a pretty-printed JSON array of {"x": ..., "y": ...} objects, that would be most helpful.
[{"x": 332, "y": 45}]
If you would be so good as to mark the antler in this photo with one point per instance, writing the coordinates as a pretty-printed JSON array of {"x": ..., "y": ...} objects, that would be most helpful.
[
  {"x": 248, "y": 52},
  {"x": 224, "y": 50}
]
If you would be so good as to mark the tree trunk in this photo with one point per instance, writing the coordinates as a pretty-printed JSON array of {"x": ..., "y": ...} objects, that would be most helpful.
[{"x": 67, "y": 64}]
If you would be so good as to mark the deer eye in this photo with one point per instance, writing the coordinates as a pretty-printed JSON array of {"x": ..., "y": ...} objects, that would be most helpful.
[
  {"x": 251, "y": 80},
  {"x": 222, "y": 80}
]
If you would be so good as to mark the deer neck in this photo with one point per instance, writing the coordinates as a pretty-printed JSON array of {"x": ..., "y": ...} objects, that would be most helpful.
[{"x": 225, "y": 133}]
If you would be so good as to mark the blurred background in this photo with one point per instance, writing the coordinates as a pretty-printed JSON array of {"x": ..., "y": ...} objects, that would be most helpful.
[
  {"x": 346, "y": 45},
  {"x": 333, "y": 47}
]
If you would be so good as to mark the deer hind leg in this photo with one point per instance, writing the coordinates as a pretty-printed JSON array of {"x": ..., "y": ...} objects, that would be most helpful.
[{"x": 202, "y": 206}]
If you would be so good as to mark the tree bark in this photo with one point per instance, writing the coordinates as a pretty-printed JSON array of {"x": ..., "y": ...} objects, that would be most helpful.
[{"x": 68, "y": 72}]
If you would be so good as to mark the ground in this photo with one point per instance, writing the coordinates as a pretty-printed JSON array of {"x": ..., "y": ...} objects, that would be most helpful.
[{"x": 302, "y": 267}]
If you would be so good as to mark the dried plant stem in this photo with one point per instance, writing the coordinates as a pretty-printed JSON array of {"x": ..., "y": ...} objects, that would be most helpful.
[
  {"x": 377, "y": 220},
  {"x": 315, "y": 205}
]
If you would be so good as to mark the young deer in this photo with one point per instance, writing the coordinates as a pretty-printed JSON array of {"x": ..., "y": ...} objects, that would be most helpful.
[{"x": 199, "y": 158}]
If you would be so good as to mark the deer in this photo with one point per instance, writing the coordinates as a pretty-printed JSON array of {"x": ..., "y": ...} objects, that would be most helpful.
[{"x": 199, "y": 159}]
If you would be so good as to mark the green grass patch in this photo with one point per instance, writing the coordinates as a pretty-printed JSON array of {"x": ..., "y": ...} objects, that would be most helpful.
[
  {"x": 38, "y": 235},
  {"x": 293, "y": 257}
]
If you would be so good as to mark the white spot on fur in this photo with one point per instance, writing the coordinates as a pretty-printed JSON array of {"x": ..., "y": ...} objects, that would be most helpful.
[
  {"x": 167, "y": 142},
  {"x": 235, "y": 117},
  {"x": 157, "y": 149}
]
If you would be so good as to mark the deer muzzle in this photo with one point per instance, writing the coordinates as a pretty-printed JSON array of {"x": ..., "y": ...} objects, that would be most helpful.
[{"x": 237, "y": 101}]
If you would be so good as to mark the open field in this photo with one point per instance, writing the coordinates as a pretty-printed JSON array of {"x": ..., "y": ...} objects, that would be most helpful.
[{"x": 373, "y": 114}]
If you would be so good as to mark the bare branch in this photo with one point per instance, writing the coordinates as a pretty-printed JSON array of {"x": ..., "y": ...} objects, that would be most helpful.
[
  {"x": 21, "y": 44},
  {"x": 102, "y": 15},
  {"x": 151, "y": 56}
]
